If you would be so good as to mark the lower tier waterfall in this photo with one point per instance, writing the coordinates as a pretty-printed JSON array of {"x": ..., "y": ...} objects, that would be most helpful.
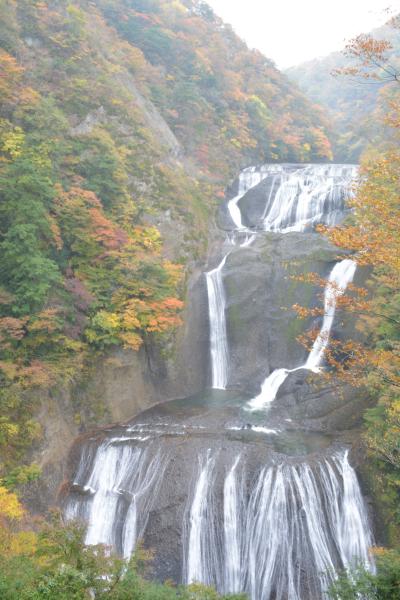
[
  {"x": 248, "y": 486},
  {"x": 224, "y": 501},
  {"x": 289, "y": 530}
]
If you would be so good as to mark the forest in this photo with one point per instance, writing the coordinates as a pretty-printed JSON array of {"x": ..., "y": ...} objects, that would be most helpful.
[{"x": 121, "y": 124}]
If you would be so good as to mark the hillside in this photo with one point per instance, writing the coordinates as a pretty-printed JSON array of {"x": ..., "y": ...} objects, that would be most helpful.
[
  {"x": 120, "y": 123},
  {"x": 349, "y": 100}
]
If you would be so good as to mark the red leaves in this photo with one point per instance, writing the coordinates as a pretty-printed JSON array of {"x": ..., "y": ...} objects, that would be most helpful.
[
  {"x": 105, "y": 232},
  {"x": 12, "y": 329},
  {"x": 82, "y": 298}
]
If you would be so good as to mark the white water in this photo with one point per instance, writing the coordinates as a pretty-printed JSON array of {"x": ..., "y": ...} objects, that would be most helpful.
[
  {"x": 341, "y": 275},
  {"x": 233, "y": 530},
  {"x": 248, "y": 179},
  {"x": 219, "y": 351},
  {"x": 122, "y": 481},
  {"x": 202, "y": 554},
  {"x": 218, "y": 337},
  {"x": 274, "y": 531},
  {"x": 298, "y": 197},
  {"x": 299, "y": 526},
  {"x": 309, "y": 195}
]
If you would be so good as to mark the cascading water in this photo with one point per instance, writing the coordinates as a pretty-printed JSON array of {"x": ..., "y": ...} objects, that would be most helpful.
[
  {"x": 118, "y": 482},
  {"x": 233, "y": 532},
  {"x": 218, "y": 337},
  {"x": 202, "y": 559},
  {"x": 342, "y": 274},
  {"x": 219, "y": 352},
  {"x": 310, "y": 195},
  {"x": 287, "y": 531},
  {"x": 269, "y": 511},
  {"x": 248, "y": 179},
  {"x": 297, "y": 198}
]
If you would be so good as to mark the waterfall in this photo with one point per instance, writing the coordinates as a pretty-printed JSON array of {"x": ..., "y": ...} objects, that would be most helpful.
[
  {"x": 309, "y": 195},
  {"x": 248, "y": 179},
  {"x": 119, "y": 488},
  {"x": 219, "y": 353},
  {"x": 218, "y": 337},
  {"x": 297, "y": 199},
  {"x": 202, "y": 550},
  {"x": 233, "y": 535},
  {"x": 341, "y": 275},
  {"x": 254, "y": 515},
  {"x": 299, "y": 526}
]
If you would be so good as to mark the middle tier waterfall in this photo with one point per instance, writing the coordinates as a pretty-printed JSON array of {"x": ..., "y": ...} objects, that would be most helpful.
[
  {"x": 218, "y": 339},
  {"x": 342, "y": 274}
]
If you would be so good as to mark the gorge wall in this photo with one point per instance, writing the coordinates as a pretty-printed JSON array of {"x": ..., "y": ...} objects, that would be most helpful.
[
  {"x": 247, "y": 486},
  {"x": 125, "y": 120}
]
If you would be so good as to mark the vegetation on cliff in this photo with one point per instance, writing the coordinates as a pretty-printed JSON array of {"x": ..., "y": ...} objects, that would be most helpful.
[
  {"x": 372, "y": 363},
  {"x": 114, "y": 117}
]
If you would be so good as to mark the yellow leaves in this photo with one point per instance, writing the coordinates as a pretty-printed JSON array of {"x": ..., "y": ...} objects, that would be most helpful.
[
  {"x": 13, "y": 142},
  {"x": 130, "y": 316},
  {"x": 56, "y": 233},
  {"x": 131, "y": 340},
  {"x": 47, "y": 321},
  {"x": 13, "y": 543},
  {"x": 9, "y": 369},
  {"x": 174, "y": 271},
  {"x": 10, "y": 506},
  {"x": 23, "y": 543},
  {"x": 106, "y": 321},
  {"x": 10, "y": 75}
]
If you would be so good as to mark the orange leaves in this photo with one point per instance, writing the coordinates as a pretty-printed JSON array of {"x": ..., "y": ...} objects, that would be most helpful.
[
  {"x": 172, "y": 304},
  {"x": 165, "y": 315},
  {"x": 10, "y": 76},
  {"x": 374, "y": 237},
  {"x": 105, "y": 232},
  {"x": 56, "y": 233},
  {"x": 12, "y": 328},
  {"x": 46, "y": 321},
  {"x": 370, "y": 53},
  {"x": 35, "y": 374},
  {"x": 369, "y": 60},
  {"x": 131, "y": 340},
  {"x": 120, "y": 268},
  {"x": 152, "y": 317},
  {"x": 12, "y": 90}
]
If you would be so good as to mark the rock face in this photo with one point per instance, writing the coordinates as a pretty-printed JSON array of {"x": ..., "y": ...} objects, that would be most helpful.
[
  {"x": 190, "y": 465},
  {"x": 247, "y": 499},
  {"x": 122, "y": 385}
]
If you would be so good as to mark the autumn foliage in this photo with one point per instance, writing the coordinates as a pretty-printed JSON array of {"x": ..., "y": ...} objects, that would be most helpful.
[{"x": 371, "y": 362}]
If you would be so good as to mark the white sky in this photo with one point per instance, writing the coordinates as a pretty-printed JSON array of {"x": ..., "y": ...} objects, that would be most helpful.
[{"x": 292, "y": 31}]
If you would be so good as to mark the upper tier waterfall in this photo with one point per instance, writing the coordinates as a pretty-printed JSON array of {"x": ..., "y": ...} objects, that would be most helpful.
[
  {"x": 293, "y": 198},
  {"x": 243, "y": 487}
]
